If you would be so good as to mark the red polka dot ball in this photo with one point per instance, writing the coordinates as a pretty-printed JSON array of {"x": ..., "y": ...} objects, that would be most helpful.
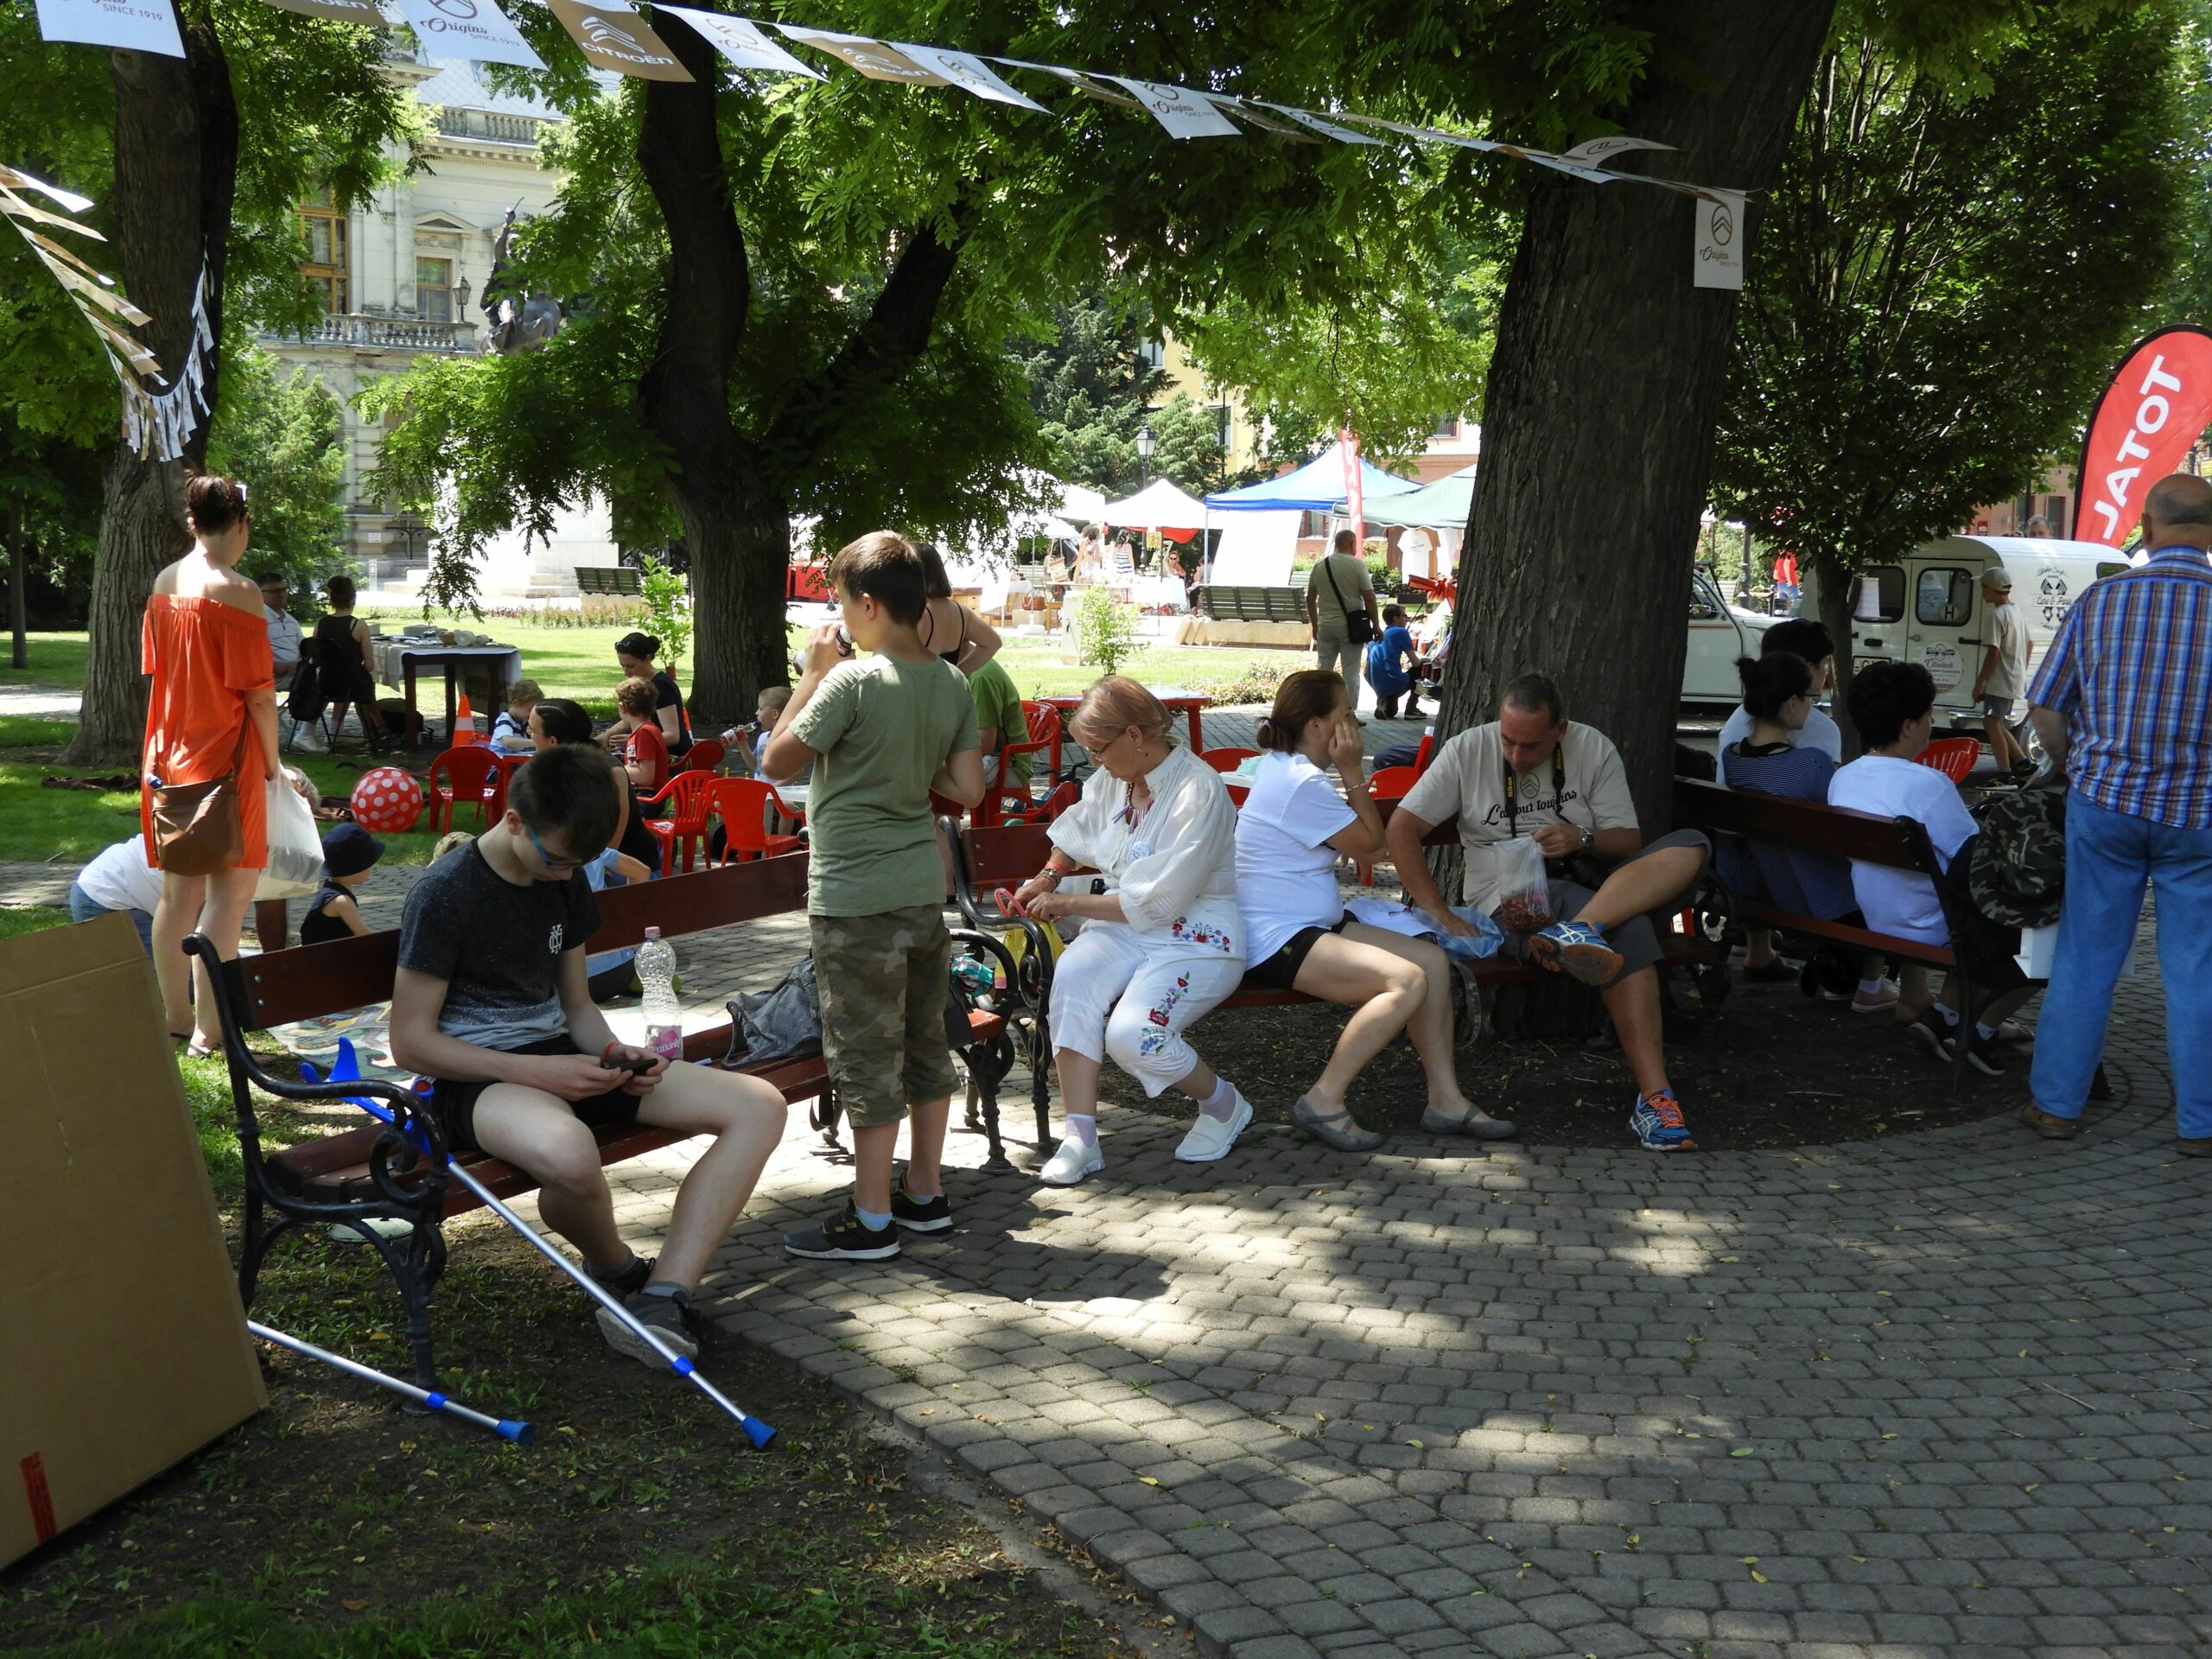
[{"x": 387, "y": 801}]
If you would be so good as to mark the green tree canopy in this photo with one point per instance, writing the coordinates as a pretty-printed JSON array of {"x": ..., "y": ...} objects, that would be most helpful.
[
  {"x": 281, "y": 436},
  {"x": 1947, "y": 271}
]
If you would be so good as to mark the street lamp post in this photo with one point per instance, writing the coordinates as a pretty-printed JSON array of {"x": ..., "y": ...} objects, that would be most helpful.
[{"x": 1144, "y": 447}]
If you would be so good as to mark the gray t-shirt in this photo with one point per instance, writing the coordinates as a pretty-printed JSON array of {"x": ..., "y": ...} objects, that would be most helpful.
[{"x": 497, "y": 946}]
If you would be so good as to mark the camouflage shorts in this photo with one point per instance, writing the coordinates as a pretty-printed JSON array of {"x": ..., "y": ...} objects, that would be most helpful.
[{"x": 882, "y": 981}]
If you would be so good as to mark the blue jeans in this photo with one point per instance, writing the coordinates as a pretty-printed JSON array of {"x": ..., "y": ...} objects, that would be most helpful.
[
  {"x": 2109, "y": 857},
  {"x": 83, "y": 908}
]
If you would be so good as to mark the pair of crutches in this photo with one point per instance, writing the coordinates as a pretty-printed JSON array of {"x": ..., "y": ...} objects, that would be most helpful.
[{"x": 346, "y": 1069}]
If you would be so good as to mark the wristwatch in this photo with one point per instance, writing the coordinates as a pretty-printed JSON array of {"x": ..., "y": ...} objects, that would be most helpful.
[{"x": 1589, "y": 840}]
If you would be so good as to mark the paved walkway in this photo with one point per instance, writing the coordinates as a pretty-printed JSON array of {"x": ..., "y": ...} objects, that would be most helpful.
[{"x": 1918, "y": 1397}]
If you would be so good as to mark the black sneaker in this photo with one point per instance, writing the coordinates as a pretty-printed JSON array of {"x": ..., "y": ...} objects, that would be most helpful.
[
  {"x": 920, "y": 1215},
  {"x": 631, "y": 1280},
  {"x": 1933, "y": 1032},
  {"x": 666, "y": 1316},
  {"x": 844, "y": 1238},
  {"x": 1983, "y": 1054}
]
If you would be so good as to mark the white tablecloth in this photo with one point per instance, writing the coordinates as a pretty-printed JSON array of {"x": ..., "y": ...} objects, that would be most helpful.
[{"x": 503, "y": 662}]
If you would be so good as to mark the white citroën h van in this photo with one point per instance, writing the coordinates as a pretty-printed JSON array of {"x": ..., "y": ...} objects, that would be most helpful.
[{"x": 1928, "y": 607}]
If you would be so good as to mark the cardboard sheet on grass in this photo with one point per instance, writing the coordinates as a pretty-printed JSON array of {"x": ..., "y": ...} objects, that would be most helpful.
[{"x": 126, "y": 1348}]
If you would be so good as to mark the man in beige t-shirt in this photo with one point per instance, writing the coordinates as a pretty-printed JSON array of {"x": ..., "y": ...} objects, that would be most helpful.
[
  {"x": 2004, "y": 676},
  {"x": 1533, "y": 775},
  {"x": 1337, "y": 585}
]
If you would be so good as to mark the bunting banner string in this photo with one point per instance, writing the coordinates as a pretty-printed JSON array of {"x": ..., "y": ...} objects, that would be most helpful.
[
  {"x": 614, "y": 36},
  {"x": 158, "y": 420}
]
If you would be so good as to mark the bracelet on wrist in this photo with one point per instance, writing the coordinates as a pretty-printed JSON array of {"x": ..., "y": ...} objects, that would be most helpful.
[
  {"x": 1054, "y": 876},
  {"x": 607, "y": 1054}
]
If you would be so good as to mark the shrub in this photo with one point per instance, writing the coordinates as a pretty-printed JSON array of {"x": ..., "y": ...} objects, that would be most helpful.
[
  {"x": 1105, "y": 632},
  {"x": 664, "y": 610}
]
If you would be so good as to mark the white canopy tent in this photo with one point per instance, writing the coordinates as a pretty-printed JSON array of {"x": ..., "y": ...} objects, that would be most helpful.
[{"x": 1158, "y": 505}]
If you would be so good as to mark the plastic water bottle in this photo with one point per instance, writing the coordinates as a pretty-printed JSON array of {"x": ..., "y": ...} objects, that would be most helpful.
[{"x": 656, "y": 966}]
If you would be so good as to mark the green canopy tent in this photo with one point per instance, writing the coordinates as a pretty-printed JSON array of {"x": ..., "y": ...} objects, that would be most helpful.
[{"x": 1441, "y": 506}]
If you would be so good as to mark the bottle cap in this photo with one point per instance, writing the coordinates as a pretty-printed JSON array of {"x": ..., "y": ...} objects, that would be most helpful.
[{"x": 652, "y": 932}]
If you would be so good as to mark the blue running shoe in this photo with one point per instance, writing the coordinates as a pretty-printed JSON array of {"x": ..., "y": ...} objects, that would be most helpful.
[
  {"x": 1657, "y": 1122},
  {"x": 1578, "y": 948}
]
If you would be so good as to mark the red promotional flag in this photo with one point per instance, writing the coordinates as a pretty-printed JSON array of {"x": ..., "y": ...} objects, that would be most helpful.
[
  {"x": 2156, "y": 406},
  {"x": 1355, "y": 497}
]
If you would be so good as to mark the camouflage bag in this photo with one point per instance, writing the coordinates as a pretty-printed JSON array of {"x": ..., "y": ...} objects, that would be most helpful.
[{"x": 2019, "y": 875}]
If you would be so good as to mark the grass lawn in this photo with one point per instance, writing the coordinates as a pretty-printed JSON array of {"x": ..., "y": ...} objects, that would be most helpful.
[
  {"x": 337, "y": 1524},
  {"x": 38, "y": 823},
  {"x": 56, "y": 659}
]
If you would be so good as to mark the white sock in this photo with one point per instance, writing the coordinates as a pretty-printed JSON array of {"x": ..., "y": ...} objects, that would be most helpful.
[
  {"x": 1987, "y": 1033},
  {"x": 1083, "y": 1126},
  {"x": 1943, "y": 1013},
  {"x": 1222, "y": 1104},
  {"x": 1871, "y": 987}
]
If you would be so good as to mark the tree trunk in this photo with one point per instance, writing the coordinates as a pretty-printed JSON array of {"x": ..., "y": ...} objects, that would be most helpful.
[
  {"x": 177, "y": 145},
  {"x": 740, "y": 548},
  {"x": 1833, "y": 584},
  {"x": 19, "y": 574},
  {"x": 1603, "y": 392}
]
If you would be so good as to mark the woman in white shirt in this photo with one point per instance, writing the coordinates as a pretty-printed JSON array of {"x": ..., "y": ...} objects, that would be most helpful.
[
  {"x": 1162, "y": 941},
  {"x": 1290, "y": 833}
]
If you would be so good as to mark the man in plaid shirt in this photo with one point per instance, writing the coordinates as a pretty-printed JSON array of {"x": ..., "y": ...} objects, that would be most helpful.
[{"x": 2124, "y": 702}]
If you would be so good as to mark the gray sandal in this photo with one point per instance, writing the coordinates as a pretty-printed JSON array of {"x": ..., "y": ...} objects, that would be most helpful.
[
  {"x": 1474, "y": 1123},
  {"x": 1335, "y": 1129}
]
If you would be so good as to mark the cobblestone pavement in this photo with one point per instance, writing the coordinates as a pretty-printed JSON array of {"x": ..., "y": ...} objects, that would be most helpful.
[
  {"x": 1915, "y": 1397},
  {"x": 1933, "y": 1396}
]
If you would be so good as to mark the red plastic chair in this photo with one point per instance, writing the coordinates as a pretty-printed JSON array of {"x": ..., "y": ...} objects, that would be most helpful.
[
  {"x": 705, "y": 755},
  {"x": 1008, "y": 801},
  {"x": 743, "y": 805},
  {"x": 468, "y": 776},
  {"x": 1425, "y": 753},
  {"x": 1952, "y": 756},
  {"x": 1392, "y": 783},
  {"x": 1227, "y": 760},
  {"x": 1045, "y": 727},
  {"x": 685, "y": 795}
]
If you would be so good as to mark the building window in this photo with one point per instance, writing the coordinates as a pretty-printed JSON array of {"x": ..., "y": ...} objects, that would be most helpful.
[
  {"x": 326, "y": 271},
  {"x": 433, "y": 289},
  {"x": 1447, "y": 426}
]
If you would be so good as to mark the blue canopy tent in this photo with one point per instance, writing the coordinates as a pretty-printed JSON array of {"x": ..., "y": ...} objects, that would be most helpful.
[{"x": 1315, "y": 487}]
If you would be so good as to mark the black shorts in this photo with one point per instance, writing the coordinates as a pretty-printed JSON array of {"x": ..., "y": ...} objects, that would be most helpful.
[
  {"x": 455, "y": 1103},
  {"x": 1279, "y": 971}
]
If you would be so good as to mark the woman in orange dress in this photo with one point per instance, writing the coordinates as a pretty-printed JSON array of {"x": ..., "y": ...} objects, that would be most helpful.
[{"x": 213, "y": 708}]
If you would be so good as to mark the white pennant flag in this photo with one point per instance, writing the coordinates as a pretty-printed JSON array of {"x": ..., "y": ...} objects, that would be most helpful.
[
  {"x": 135, "y": 25},
  {"x": 473, "y": 30},
  {"x": 1185, "y": 114},
  {"x": 1594, "y": 151},
  {"x": 741, "y": 41},
  {"x": 53, "y": 192},
  {"x": 965, "y": 69},
  {"x": 1327, "y": 129},
  {"x": 870, "y": 57},
  {"x": 1076, "y": 79},
  {"x": 1717, "y": 259}
]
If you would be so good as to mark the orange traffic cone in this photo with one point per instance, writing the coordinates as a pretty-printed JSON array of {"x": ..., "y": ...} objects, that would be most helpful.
[{"x": 464, "y": 725}]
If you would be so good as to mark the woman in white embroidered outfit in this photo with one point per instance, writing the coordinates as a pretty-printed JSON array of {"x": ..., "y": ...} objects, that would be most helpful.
[{"x": 1162, "y": 945}]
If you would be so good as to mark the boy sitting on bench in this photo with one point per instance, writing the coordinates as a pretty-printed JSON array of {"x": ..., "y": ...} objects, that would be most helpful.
[{"x": 490, "y": 1000}]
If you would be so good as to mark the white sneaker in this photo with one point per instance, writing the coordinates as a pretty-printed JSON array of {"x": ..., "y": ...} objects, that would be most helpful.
[
  {"x": 1210, "y": 1138},
  {"x": 1071, "y": 1163}
]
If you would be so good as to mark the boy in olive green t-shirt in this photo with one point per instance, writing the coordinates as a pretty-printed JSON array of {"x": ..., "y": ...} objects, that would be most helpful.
[{"x": 881, "y": 731}]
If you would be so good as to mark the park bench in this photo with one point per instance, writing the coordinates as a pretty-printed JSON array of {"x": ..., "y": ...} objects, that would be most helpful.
[
  {"x": 617, "y": 580},
  {"x": 357, "y": 1176},
  {"x": 1220, "y": 603},
  {"x": 1837, "y": 832},
  {"x": 988, "y": 858}
]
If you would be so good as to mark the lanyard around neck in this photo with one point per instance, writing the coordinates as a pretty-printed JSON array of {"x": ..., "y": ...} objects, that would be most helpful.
[{"x": 1513, "y": 787}]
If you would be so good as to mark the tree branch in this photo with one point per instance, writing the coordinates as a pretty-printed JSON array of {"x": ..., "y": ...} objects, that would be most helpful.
[{"x": 896, "y": 332}]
